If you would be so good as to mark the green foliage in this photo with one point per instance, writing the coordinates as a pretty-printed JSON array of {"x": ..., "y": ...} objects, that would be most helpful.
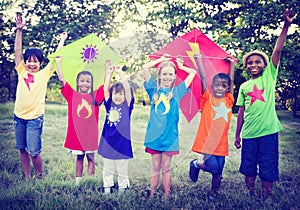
[
  {"x": 44, "y": 22},
  {"x": 238, "y": 26},
  {"x": 54, "y": 95},
  {"x": 3, "y": 94}
]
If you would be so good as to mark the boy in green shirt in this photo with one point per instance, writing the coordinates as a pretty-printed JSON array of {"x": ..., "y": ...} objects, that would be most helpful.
[{"x": 257, "y": 115}]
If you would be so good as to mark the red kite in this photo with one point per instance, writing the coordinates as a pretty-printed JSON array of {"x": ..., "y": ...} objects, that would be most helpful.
[{"x": 188, "y": 45}]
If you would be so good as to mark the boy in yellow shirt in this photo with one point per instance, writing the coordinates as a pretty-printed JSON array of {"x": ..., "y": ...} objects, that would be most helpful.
[{"x": 30, "y": 101}]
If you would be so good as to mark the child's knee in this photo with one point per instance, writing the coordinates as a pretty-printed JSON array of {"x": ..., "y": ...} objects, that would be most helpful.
[
  {"x": 216, "y": 171},
  {"x": 213, "y": 168}
]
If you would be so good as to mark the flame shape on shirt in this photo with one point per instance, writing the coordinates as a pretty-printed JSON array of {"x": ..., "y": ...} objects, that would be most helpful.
[
  {"x": 163, "y": 99},
  {"x": 84, "y": 104},
  {"x": 29, "y": 79}
]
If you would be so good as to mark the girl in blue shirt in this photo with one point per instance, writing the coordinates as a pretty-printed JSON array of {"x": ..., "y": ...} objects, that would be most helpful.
[{"x": 161, "y": 138}]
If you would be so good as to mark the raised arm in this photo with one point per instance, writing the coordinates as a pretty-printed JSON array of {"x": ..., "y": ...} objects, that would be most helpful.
[
  {"x": 191, "y": 72},
  {"x": 59, "y": 71},
  {"x": 201, "y": 72},
  {"x": 18, "y": 39},
  {"x": 109, "y": 70},
  {"x": 146, "y": 67},
  {"x": 63, "y": 37},
  {"x": 289, "y": 16},
  {"x": 231, "y": 72},
  {"x": 125, "y": 83}
]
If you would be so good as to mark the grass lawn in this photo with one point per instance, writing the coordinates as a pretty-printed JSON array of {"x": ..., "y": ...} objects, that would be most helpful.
[{"x": 57, "y": 189}]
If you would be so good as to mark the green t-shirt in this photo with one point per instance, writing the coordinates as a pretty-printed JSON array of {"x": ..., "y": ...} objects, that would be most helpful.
[{"x": 258, "y": 97}]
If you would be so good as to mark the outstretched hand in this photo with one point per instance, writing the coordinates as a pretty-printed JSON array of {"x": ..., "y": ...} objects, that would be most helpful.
[
  {"x": 165, "y": 57},
  {"x": 179, "y": 61},
  {"x": 63, "y": 36},
  {"x": 108, "y": 67},
  {"x": 289, "y": 15},
  {"x": 19, "y": 21},
  {"x": 58, "y": 59},
  {"x": 118, "y": 69},
  {"x": 229, "y": 59}
]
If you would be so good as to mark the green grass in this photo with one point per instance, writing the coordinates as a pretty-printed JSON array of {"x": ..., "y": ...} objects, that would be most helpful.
[{"x": 57, "y": 189}]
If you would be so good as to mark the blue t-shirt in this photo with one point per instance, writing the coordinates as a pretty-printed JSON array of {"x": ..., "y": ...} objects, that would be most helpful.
[
  {"x": 162, "y": 129},
  {"x": 115, "y": 141}
]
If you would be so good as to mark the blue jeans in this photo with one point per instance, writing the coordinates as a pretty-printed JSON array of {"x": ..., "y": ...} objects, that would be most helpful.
[
  {"x": 214, "y": 164},
  {"x": 29, "y": 134}
]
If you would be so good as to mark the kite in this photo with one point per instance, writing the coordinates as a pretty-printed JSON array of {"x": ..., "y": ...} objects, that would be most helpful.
[
  {"x": 190, "y": 44},
  {"x": 86, "y": 54}
]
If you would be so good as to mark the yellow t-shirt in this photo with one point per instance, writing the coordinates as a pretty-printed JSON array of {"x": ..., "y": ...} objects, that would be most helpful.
[{"x": 31, "y": 91}]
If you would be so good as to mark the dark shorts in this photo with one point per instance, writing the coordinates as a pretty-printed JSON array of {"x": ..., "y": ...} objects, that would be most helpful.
[
  {"x": 214, "y": 164},
  {"x": 152, "y": 152},
  {"x": 260, "y": 157}
]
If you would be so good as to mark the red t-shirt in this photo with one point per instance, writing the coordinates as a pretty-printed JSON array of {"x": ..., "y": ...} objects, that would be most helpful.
[{"x": 82, "y": 133}]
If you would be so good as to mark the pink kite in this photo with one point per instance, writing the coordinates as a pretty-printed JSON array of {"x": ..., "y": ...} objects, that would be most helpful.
[{"x": 188, "y": 45}]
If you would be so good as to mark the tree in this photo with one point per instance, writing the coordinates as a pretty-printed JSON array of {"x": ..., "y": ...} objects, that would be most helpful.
[
  {"x": 238, "y": 26},
  {"x": 6, "y": 64},
  {"x": 45, "y": 21}
]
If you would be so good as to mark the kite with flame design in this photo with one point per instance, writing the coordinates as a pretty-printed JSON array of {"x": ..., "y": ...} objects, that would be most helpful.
[
  {"x": 188, "y": 45},
  {"x": 86, "y": 54}
]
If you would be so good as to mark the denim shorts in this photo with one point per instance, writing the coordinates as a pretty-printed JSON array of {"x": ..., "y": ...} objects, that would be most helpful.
[
  {"x": 29, "y": 134},
  {"x": 214, "y": 164},
  {"x": 260, "y": 157}
]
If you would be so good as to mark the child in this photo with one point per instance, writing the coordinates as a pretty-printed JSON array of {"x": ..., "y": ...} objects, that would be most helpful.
[
  {"x": 115, "y": 143},
  {"x": 83, "y": 113},
  {"x": 161, "y": 138},
  {"x": 257, "y": 116},
  {"x": 212, "y": 136},
  {"x": 30, "y": 102}
]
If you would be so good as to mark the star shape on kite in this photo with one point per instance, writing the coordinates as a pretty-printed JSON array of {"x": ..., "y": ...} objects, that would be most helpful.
[
  {"x": 256, "y": 94},
  {"x": 221, "y": 111}
]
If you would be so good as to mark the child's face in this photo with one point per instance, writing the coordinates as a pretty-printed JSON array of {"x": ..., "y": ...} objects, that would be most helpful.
[
  {"x": 84, "y": 83},
  {"x": 220, "y": 87},
  {"x": 33, "y": 64},
  {"x": 255, "y": 65},
  {"x": 167, "y": 77},
  {"x": 118, "y": 97}
]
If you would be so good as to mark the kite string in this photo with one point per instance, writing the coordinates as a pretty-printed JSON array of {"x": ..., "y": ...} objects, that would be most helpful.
[{"x": 184, "y": 56}]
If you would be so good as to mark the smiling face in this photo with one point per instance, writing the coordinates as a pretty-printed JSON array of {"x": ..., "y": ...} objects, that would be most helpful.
[
  {"x": 255, "y": 64},
  {"x": 33, "y": 64},
  {"x": 166, "y": 76},
  {"x": 220, "y": 87},
  {"x": 118, "y": 97},
  {"x": 84, "y": 83}
]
